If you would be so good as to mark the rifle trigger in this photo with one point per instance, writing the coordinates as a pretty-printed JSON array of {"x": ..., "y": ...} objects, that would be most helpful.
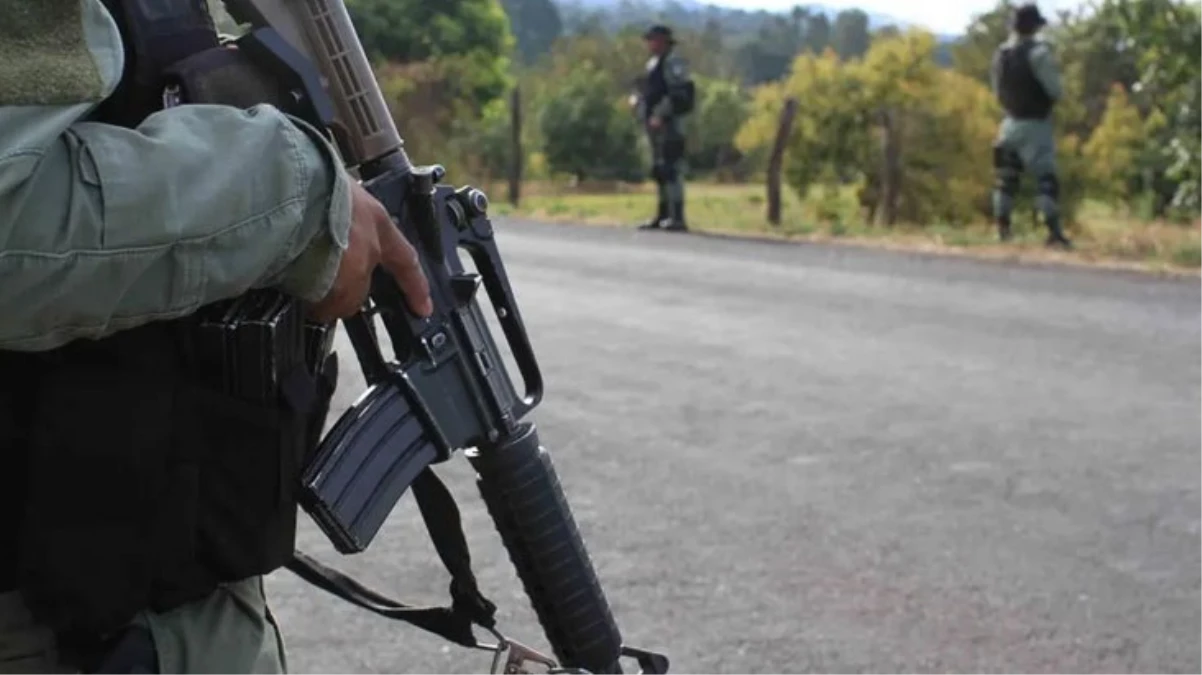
[{"x": 464, "y": 287}]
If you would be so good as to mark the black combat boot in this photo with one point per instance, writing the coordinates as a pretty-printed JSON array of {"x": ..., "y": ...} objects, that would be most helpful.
[
  {"x": 1003, "y": 228},
  {"x": 676, "y": 222},
  {"x": 660, "y": 214},
  {"x": 1056, "y": 236}
]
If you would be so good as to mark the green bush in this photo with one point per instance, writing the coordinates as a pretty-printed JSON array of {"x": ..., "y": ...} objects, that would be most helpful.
[{"x": 587, "y": 134}]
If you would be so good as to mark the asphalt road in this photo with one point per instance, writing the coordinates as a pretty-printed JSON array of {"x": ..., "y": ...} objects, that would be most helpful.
[{"x": 806, "y": 458}]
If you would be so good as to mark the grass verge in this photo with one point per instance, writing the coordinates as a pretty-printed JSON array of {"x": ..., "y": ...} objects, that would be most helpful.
[{"x": 1103, "y": 238}]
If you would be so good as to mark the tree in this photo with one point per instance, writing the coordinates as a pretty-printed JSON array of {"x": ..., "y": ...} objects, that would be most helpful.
[
  {"x": 1094, "y": 56},
  {"x": 930, "y": 161},
  {"x": 818, "y": 34},
  {"x": 622, "y": 57},
  {"x": 711, "y": 36},
  {"x": 586, "y": 23},
  {"x": 707, "y": 53},
  {"x": 830, "y": 139},
  {"x": 586, "y": 134},
  {"x": 914, "y": 137},
  {"x": 972, "y": 53},
  {"x": 536, "y": 24},
  {"x": 722, "y": 108},
  {"x": 1114, "y": 149},
  {"x": 886, "y": 32},
  {"x": 767, "y": 57},
  {"x": 1166, "y": 37},
  {"x": 704, "y": 52},
  {"x": 850, "y": 35},
  {"x": 486, "y": 144},
  {"x": 471, "y": 39}
]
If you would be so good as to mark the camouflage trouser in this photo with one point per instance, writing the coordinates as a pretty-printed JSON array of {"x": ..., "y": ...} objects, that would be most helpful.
[
  {"x": 230, "y": 631},
  {"x": 1026, "y": 146},
  {"x": 667, "y": 168}
]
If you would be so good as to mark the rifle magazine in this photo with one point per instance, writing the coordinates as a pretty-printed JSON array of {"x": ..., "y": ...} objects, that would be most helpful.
[{"x": 366, "y": 463}]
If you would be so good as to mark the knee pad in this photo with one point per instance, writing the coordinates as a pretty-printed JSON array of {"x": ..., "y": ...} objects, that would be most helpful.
[
  {"x": 1008, "y": 169},
  {"x": 1006, "y": 182},
  {"x": 657, "y": 172},
  {"x": 668, "y": 172},
  {"x": 1005, "y": 158},
  {"x": 1049, "y": 186}
]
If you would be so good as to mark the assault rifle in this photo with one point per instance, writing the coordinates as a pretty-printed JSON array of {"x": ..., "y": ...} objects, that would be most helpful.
[{"x": 447, "y": 388}]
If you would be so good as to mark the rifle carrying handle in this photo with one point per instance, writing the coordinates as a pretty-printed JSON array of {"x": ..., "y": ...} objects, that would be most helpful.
[{"x": 323, "y": 31}]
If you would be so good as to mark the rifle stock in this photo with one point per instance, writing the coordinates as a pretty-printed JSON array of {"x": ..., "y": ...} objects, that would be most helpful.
[{"x": 446, "y": 387}]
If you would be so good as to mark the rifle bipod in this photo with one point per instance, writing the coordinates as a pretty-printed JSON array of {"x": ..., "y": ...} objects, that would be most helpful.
[{"x": 510, "y": 657}]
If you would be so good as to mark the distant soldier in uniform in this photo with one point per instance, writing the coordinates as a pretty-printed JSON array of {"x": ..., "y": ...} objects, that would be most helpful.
[
  {"x": 1026, "y": 81},
  {"x": 665, "y": 96}
]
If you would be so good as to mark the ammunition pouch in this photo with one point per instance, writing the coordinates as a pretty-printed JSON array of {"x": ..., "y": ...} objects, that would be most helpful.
[
  {"x": 151, "y": 475},
  {"x": 143, "y": 469}
]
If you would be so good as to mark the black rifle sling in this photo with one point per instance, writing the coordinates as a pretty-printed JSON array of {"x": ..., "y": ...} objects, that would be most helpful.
[{"x": 468, "y": 605}]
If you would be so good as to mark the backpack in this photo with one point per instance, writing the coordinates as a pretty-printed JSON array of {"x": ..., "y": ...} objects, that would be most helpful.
[{"x": 684, "y": 98}]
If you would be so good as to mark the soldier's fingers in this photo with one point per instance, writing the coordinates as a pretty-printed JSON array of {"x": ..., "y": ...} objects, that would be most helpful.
[
  {"x": 352, "y": 283},
  {"x": 399, "y": 257}
]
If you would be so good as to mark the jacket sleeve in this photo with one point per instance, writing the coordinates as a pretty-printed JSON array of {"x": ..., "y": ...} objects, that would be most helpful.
[
  {"x": 676, "y": 75},
  {"x": 1047, "y": 71},
  {"x": 104, "y": 228}
]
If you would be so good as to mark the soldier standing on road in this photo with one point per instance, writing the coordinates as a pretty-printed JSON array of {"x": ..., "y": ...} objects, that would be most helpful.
[
  {"x": 140, "y": 503},
  {"x": 666, "y": 97},
  {"x": 1026, "y": 81}
]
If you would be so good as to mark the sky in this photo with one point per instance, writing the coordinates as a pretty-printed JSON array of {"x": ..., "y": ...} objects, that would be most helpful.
[{"x": 941, "y": 16}]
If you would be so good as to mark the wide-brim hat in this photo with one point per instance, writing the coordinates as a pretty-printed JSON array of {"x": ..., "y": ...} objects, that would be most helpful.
[
  {"x": 658, "y": 30},
  {"x": 1029, "y": 16}
]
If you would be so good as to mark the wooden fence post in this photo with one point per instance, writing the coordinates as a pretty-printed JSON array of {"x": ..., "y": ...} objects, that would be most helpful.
[
  {"x": 891, "y": 171},
  {"x": 515, "y": 147},
  {"x": 777, "y": 160}
]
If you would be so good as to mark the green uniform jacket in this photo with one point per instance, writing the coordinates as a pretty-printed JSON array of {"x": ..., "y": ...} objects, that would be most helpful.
[
  {"x": 104, "y": 228},
  {"x": 1033, "y": 140}
]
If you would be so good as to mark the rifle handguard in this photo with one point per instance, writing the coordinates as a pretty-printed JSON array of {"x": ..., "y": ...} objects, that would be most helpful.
[{"x": 521, "y": 489}]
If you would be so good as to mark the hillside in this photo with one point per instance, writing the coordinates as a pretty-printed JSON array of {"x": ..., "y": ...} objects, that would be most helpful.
[
  {"x": 756, "y": 45},
  {"x": 694, "y": 14}
]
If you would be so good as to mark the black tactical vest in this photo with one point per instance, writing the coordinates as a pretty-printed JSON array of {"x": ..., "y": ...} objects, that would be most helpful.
[
  {"x": 1019, "y": 91},
  {"x": 656, "y": 87},
  {"x": 140, "y": 470}
]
